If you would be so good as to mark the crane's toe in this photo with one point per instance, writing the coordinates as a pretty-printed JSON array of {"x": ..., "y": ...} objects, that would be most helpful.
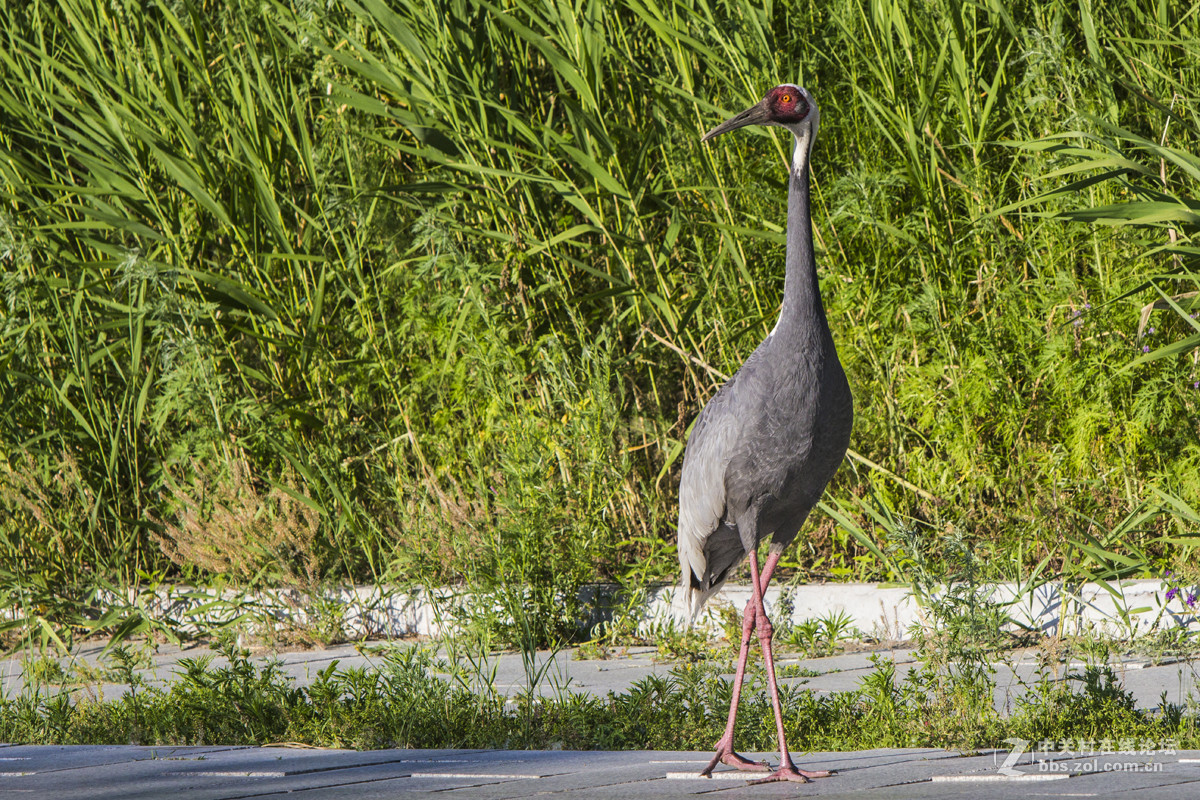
[
  {"x": 726, "y": 755},
  {"x": 790, "y": 773}
]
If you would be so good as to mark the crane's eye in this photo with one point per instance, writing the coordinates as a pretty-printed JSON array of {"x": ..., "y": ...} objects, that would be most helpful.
[{"x": 787, "y": 105}]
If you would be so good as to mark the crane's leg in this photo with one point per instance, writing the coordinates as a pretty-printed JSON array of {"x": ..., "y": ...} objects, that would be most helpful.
[
  {"x": 725, "y": 753},
  {"x": 787, "y": 769}
]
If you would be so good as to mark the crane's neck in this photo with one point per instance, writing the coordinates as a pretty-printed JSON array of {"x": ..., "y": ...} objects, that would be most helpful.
[{"x": 802, "y": 314}]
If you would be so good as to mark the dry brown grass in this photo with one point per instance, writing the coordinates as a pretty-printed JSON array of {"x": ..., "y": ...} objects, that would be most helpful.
[
  {"x": 223, "y": 523},
  {"x": 46, "y": 512}
]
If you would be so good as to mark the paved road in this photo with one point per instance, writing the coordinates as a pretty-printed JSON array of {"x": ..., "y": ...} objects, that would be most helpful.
[
  {"x": 224, "y": 773},
  {"x": 216, "y": 773},
  {"x": 1146, "y": 679}
]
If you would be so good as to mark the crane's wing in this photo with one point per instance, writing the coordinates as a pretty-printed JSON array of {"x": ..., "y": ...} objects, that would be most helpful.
[
  {"x": 702, "y": 500},
  {"x": 709, "y": 544}
]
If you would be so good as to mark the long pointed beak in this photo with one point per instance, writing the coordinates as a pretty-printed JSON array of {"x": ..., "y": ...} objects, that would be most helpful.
[{"x": 755, "y": 115}]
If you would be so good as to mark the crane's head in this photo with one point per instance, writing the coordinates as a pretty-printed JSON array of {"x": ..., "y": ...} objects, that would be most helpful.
[{"x": 787, "y": 105}]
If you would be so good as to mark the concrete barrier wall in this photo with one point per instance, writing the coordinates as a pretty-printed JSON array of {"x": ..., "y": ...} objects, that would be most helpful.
[{"x": 883, "y": 612}]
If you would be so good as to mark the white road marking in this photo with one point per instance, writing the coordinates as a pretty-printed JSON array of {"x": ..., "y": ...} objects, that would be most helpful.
[
  {"x": 994, "y": 778},
  {"x": 492, "y": 775}
]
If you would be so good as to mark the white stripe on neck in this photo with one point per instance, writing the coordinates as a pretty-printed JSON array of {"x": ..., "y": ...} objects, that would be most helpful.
[
  {"x": 800, "y": 154},
  {"x": 804, "y": 141}
]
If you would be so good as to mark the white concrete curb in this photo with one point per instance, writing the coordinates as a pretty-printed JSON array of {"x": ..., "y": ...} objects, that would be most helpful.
[
  {"x": 882, "y": 612},
  {"x": 1139, "y": 607}
]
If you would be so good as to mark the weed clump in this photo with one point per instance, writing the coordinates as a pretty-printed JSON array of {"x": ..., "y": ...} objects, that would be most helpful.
[{"x": 413, "y": 700}]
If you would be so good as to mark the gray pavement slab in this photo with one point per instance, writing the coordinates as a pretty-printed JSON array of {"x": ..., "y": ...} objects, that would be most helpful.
[
  {"x": 226, "y": 773},
  {"x": 1014, "y": 676}
]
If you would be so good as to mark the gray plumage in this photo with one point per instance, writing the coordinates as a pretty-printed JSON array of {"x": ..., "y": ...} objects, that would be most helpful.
[{"x": 764, "y": 448}]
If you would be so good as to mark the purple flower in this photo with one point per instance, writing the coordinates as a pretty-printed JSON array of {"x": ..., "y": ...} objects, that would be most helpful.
[
  {"x": 1150, "y": 331},
  {"x": 1196, "y": 385},
  {"x": 1145, "y": 348},
  {"x": 1191, "y": 599},
  {"x": 1171, "y": 594}
]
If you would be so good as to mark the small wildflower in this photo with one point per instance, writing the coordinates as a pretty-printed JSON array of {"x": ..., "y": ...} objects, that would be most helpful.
[
  {"x": 1171, "y": 594},
  {"x": 1150, "y": 331},
  {"x": 1145, "y": 348},
  {"x": 1191, "y": 599},
  {"x": 1196, "y": 385},
  {"x": 1087, "y": 305}
]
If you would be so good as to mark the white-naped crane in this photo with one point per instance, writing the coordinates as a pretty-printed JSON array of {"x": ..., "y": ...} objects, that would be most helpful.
[{"x": 767, "y": 444}]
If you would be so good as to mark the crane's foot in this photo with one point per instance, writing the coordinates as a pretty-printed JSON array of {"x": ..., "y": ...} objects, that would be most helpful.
[
  {"x": 725, "y": 755},
  {"x": 791, "y": 773}
]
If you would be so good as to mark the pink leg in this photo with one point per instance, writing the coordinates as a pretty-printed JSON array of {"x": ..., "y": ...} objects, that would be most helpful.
[
  {"x": 787, "y": 769},
  {"x": 725, "y": 753},
  {"x": 768, "y": 569}
]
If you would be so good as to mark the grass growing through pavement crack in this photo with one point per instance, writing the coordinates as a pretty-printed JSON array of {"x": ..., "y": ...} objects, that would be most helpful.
[{"x": 407, "y": 703}]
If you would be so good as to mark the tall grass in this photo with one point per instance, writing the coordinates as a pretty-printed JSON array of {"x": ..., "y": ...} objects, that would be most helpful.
[{"x": 455, "y": 278}]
